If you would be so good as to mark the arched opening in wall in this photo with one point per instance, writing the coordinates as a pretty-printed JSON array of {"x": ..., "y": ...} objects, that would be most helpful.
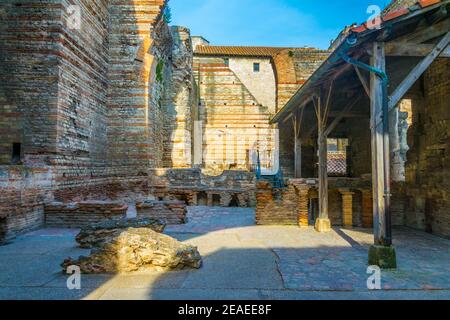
[
  {"x": 2, "y": 230},
  {"x": 234, "y": 203},
  {"x": 202, "y": 199},
  {"x": 216, "y": 200}
]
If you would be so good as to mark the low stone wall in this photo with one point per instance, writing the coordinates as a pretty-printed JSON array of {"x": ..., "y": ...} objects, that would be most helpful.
[
  {"x": 173, "y": 212},
  {"x": 78, "y": 215},
  {"x": 232, "y": 188},
  {"x": 276, "y": 207},
  {"x": 350, "y": 203}
]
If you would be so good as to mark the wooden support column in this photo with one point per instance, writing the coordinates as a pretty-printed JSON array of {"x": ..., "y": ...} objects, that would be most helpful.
[
  {"x": 380, "y": 254},
  {"x": 323, "y": 223},
  {"x": 376, "y": 106},
  {"x": 297, "y": 123},
  {"x": 298, "y": 157}
]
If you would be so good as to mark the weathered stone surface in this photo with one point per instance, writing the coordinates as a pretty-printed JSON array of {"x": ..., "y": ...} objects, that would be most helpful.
[
  {"x": 79, "y": 215},
  {"x": 135, "y": 249},
  {"x": 384, "y": 257},
  {"x": 99, "y": 233},
  {"x": 172, "y": 212}
]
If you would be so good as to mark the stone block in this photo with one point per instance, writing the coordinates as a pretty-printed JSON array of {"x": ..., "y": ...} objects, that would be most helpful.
[{"x": 384, "y": 257}]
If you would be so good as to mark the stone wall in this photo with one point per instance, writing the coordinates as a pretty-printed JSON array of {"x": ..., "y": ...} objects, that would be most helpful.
[
  {"x": 427, "y": 169},
  {"x": 172, "y": 212},
  {"x": 79, "y": 215},
  {"x": 82, "y": 102},
  {"x": 234, "y": 122},
  {"x": 194, "y": 187},
  {"x": 180, "y": 104},
  {"x": 262, "y": 84},
  {"x": 350, "y": 203},
  {"x": 139, "y": 51},
  {"x": 293, "y": 67}
]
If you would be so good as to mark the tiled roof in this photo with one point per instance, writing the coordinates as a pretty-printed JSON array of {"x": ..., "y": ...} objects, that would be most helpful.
[
  {"x": 399, "y": 4},
  {"x": 243, "y": 51},
  {"x": 399, "y": 8},
  {"x": 395, "y": 14}
]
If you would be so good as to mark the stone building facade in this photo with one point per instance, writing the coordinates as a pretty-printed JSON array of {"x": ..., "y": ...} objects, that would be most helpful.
[
  {"x": 90, "y": 95},
  {"x": 240, "y": 89}
]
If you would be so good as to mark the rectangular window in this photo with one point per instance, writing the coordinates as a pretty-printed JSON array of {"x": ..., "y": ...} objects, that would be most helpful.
[
  {"x": 256, "y": 67},
  {"x": 227, "y": 61},
  {"x": 16, "y": 153}
]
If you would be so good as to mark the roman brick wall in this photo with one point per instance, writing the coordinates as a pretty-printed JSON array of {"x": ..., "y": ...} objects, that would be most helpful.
[
  {"x": 293, "y": 67},
  {"x": 234, "y": 123},
  {"x": 427, "y": 170},
  {"x": 180, "y": 104},
  {"x": 135, "y": 92},
  {"x": 82, "y": 101},
  {"x": 81, "y": 142},
  {"x": 29, "y": 58},
  {"x": 83, "y": 214},
  {"x": 30, "y": 35}
]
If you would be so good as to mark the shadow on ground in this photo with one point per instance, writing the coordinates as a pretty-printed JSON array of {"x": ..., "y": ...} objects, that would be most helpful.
[{"x": 241, "y": 261}]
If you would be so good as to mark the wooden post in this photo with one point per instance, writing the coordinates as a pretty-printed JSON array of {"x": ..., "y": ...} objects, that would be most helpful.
[
  {"x": 380, "y": 254},
  {"x": 298, "y": 118},
  {"x": 376, "y": 105},
  {"x": 298, "y": 157},
  {"x": 323, "y": 223}
]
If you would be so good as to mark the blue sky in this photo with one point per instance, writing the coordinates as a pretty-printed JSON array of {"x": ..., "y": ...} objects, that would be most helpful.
[{"x": 291, "y": 23}]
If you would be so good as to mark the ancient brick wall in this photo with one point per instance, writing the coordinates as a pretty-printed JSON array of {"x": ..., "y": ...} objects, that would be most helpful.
[
  {"x": 276, "y": 207},
  {"x": 293, "y": 67},
  {"x": 261, "y": 84},
  {"x": 172, "y": 212},
  {"x": 79, "y": 215},
  {"x": 82, "y": 100},
  {"x": 427, "y": 169},
  {"x": 234, "y": 122},
  {"x": 181, "y": 101},
  {"x": 139, "y": 47}
]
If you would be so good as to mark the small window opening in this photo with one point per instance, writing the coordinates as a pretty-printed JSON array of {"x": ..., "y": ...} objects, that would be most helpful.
[
  {"x": 16, "y": 153},
  {"x": 226, "y": 61},
  {"x": 256, "y": 67}
]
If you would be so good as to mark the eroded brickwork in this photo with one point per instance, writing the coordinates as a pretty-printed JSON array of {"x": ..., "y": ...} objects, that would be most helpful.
[
  {"x": 427, "y": 169},
  {"x": 234, "y": 122},
  {"x": 75, "y": 101},
  {"x": 293, "y": 68}
]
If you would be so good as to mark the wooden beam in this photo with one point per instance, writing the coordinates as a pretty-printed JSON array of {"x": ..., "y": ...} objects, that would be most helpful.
[
  {"x": 323, "y": 170},
  {"x": 376, "y": 105},
  {"x": 427, "y": 33},
  {"x": 298, "y": 119},
  {"x": 413, "y": 50},
  {"x": 363, "y": 80},
  {"x": 340, "y": 116},
  {"x": 415, "y": 74}
]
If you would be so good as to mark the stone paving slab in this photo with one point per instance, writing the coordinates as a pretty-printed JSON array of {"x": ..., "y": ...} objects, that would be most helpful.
[{"x": 241, "y": 261}]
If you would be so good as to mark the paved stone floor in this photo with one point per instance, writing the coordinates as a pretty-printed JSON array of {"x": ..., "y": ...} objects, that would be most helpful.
[{"x": 241, "y": 261}]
